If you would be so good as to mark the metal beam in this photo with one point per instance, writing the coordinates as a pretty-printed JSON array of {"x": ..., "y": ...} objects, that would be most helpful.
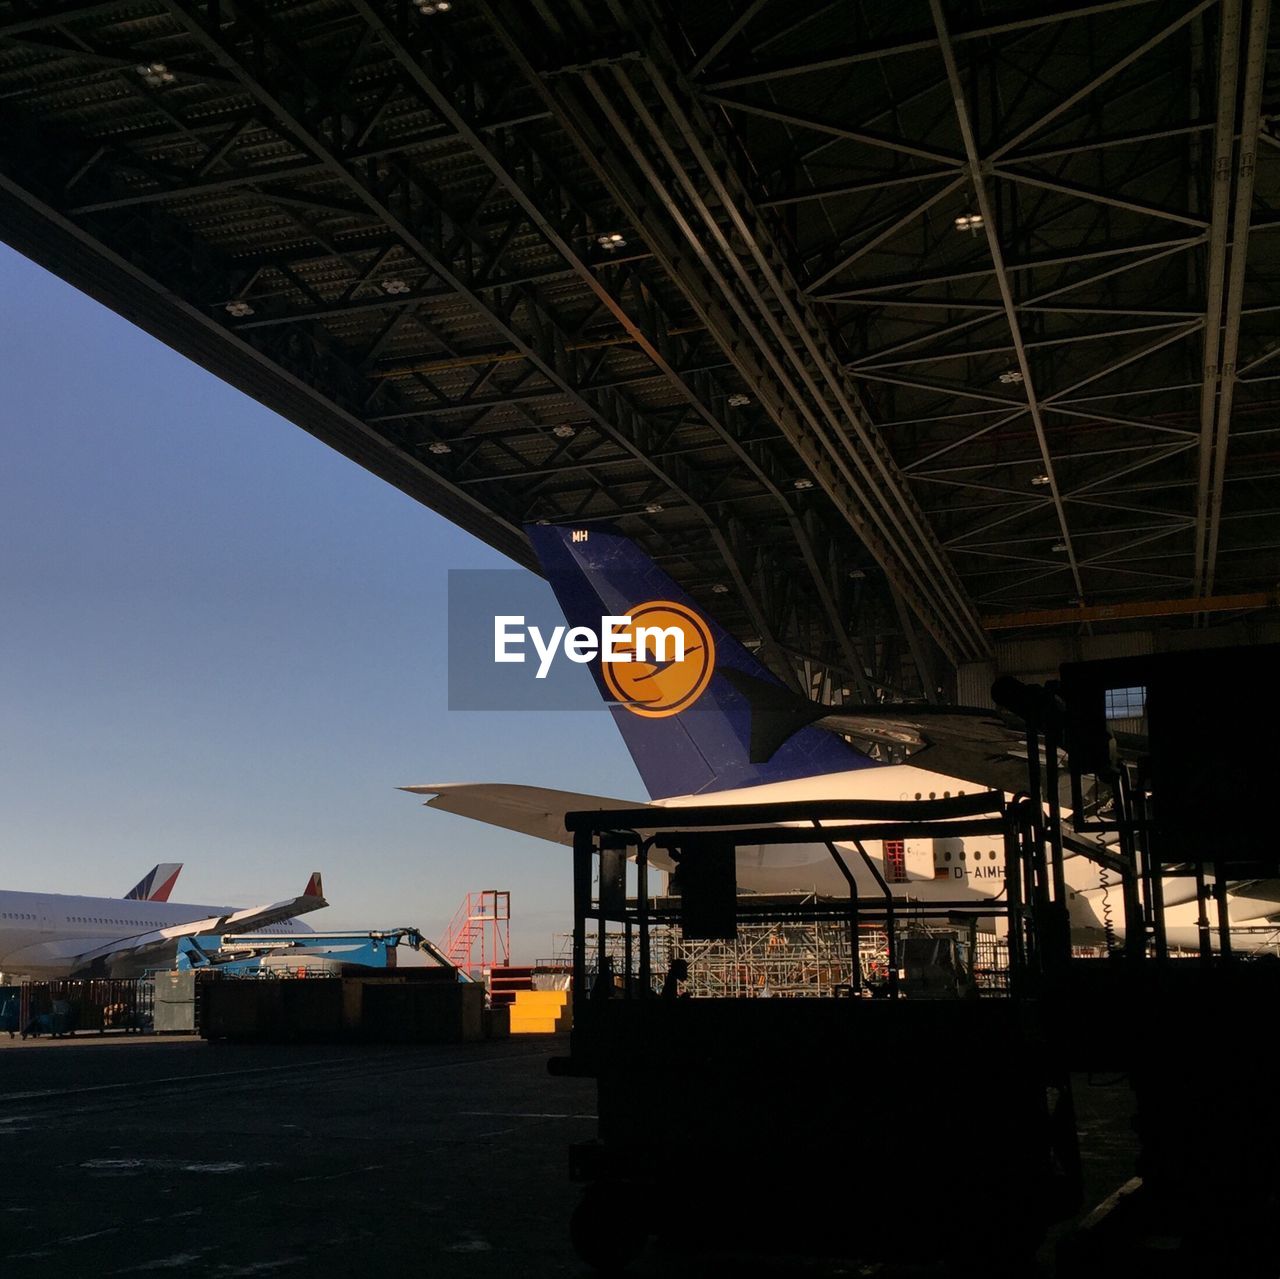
[
  {"x": 1251, "y": 113},
  {"x": 989, "y": 224},
  {"x": 923, "y": 41},
  {"x": 1132, "y": 609},
  {"x": 789, "y": 389}
]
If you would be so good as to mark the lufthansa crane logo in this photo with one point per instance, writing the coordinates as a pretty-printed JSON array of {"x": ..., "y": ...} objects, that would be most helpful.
[{"x": 667, "y": 665}]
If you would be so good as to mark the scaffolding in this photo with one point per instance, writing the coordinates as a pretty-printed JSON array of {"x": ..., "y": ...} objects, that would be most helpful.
[{"x": 783, "y": 958}]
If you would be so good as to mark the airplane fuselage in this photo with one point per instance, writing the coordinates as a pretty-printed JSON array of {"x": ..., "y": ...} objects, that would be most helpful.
[
  {"x": 950, "y": 869},
  {"x": 41, "y": 934}
]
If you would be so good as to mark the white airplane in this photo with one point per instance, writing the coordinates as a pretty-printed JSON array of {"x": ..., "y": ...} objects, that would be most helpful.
[
  {"x": 48, "y": 935},
  {"x": 715, "y": 727}
]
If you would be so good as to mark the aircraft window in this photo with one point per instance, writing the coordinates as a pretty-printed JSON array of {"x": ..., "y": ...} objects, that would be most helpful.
[
  {"x": 946, "y": 794},
  {"x": 933, "y": 794},
  {"x": 977, "y": 857},
  {"x": 962, "y": 854},
  {"x": 946, "y": 857},
  {"x": 917, "y": 794}
]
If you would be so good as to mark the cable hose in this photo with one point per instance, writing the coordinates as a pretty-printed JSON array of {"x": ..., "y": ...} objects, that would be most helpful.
[{"x": 1108, "y": 923}]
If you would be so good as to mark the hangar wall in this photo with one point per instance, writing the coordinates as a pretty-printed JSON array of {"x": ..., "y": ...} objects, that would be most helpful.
[{"x": 1035, "y": 660}]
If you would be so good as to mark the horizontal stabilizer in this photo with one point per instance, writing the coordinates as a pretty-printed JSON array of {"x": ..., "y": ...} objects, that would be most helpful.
[{"x": 530, "y": 810}]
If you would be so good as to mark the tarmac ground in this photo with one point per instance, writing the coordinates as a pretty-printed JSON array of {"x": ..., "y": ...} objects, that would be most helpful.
[{"x": 139, "y": 1155}]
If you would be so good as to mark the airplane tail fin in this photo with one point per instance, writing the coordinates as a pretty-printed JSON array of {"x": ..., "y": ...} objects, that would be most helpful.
[
  {"x": 314, "y": 887},
  {"x": 688, "y": 724},
  {"x": 156, "y": 884}
]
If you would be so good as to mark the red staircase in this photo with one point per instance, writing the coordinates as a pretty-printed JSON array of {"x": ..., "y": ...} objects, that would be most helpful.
[{"x": 482, "y": 923}]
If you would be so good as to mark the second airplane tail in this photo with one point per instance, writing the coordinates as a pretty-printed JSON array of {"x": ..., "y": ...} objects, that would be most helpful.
[
  {"x": 156, "y": 884},
  {"x": 688, "y": 722}
]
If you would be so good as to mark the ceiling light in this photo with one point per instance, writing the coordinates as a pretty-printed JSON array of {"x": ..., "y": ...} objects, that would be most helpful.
[
  {"x": 239, "y": 309},
  {"x": 429, "y": 7},
  {"x": 720, "y": 589},
  {"x": 564, "y": 431},
  {"x": 1040, "y": 480},
  {"x": 395, "y": 285},
  {"x": 737, "y": 400},
  {"x": 969, "y": 222},
  {"x": 439, "y": 446},
  {"x": 611, "y": 240},
  {"x": 653, "y": 508},
  {"x": 804, "y": 483},
  {"x": 1060, "y": 547},
  {"x": 155, "y": 74},
  {"x": 857, "y": 574},
  {"x": 1011, "y": 377}
]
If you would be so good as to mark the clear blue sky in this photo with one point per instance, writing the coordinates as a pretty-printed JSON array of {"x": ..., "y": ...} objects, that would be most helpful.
[{"x": 221, "y": 643}]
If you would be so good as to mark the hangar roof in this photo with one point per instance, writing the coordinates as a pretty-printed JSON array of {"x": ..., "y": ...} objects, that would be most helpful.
[{"x": 882, "y": 325}]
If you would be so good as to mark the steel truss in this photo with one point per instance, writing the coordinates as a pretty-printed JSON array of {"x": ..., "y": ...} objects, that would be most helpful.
[{"x": 793, "y": 375}]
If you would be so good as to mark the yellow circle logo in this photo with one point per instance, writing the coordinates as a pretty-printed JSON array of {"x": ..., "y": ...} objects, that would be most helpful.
[{"x": 672, "y": 658}]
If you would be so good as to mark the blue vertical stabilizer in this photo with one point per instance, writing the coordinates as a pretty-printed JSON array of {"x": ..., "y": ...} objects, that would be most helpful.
[{"x": 704, "y": 746}]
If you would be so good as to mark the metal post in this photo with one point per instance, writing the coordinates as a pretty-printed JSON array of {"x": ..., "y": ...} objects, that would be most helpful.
[
  {"x": 1013, "y": 894},
  {"x": 1224, "y": 917},
  {"x": 1039, "y": 888},
  {"x": 855, "y": 974},
  {"x": 1202, "y": 916},
  {"x": 1055, "y": 806},
  {"x": 890, "y": 922},
  {"x": 642, "y": 915},
  {"x": 582, "y": 848},
  {"x": 1135, "y": 938},
  {"x": 1155, "y": 868}
]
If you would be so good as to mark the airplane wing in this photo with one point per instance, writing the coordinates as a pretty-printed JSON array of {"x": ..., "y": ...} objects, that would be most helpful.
[
  {"x": 531, "y": 810},
  {"x": 126, "y": 956}
]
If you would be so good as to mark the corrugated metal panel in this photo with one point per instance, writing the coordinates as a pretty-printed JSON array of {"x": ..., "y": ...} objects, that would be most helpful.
[
  {"x": 1037, "y": 658},
  {"x": 1124, "y": 644},
  {"x": 973, "y": 683},
  {"x": 1137, "y": 726}
]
